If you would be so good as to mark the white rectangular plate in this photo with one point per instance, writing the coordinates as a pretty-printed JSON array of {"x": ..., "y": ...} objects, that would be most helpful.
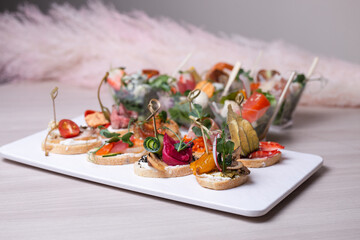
[{"x": 266, "y": 186}]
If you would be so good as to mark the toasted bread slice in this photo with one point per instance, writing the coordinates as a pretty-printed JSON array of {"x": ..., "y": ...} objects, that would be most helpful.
[
  {"x": 212, "y": 181},
  {"x": 260, "y": 162},
  {"x": 142, "y": 168},
  {"x": 121, "y": 159},
  {"x": 79, "y": 146}
]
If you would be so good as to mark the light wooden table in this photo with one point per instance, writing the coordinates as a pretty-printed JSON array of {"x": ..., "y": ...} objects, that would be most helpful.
[{"x": 37, "y": 204}]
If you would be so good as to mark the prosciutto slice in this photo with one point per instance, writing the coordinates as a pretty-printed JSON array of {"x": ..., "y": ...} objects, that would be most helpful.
[{"x": 120, "y": 116}]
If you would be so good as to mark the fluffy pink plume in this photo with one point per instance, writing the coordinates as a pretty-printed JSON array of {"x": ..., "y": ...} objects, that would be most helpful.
[{"x": 79, "y": 46}]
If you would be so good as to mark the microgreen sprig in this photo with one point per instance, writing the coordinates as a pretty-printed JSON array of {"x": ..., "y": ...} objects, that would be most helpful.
[
  {"x": 225, "y": 149},
  {"x": 181, "y": 145}
]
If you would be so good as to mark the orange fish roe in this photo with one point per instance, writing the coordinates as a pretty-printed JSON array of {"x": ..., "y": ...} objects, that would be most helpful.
[{"x": 199, "y": 145}]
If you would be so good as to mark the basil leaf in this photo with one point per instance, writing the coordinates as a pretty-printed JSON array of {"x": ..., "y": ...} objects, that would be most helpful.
[
  {"x": 106, "y": 133},
  {"x": 113, "y": 139},
  {"x": 126, "y": 138}
]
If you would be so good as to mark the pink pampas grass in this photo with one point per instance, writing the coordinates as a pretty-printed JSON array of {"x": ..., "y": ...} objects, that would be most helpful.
[{"x": 79, "y": 46}]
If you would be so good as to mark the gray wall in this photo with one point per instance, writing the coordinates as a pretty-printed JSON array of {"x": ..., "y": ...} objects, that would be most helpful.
[{"x": 330, "y": 28}]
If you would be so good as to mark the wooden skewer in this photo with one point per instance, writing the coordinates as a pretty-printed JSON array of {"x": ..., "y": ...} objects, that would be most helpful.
[
  {"x": 278, "y": 105},
  {"x": 312, "y": 67},
  {"x": 256, "y": 63},
  {"x": 232, "y": 77},
  {"x": 186, "y": 59}
]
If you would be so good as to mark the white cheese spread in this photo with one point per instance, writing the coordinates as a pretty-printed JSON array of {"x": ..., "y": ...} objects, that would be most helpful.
[{"x": 72, "y": 142}]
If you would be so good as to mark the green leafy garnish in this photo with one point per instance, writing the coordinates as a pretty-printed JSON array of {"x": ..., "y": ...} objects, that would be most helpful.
[
  {"x": 180, "y": 113},
  {"x": 106, "y": 133},
  {"x": 115, "y": 137},
  {"x": 163, "y": 116},
  {"x": 197, "y": 111},
  {"x": 230, "y": 96},
  {"x": 162, "y": 82},
  {"x": 197, "y": 131},
  {"x": 126, "y": 138},
  {"x": 181, "y": 145},
  {"x": 225, "y": 148},
  {"x": 300, "y": 78},
  {"x": 246, "y": 74}
]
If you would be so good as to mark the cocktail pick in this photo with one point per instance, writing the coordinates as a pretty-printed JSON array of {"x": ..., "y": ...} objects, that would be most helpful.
[
  {"x": 255, "y": 65},
  {"x": 104, "y": 109},
  {"x": 278, "y": 105},
  {"x": 153, "y": 106},
  {"x": 190, "y": 97},
  {"x": 312, "y": 68},
  {"x": 203, "y": 129},
  {"x": 53, "y": 95},
  {"x": 232, "y": 77},
  {"x": 239, "y": 99},
  {"x": 181, "y": 65}
]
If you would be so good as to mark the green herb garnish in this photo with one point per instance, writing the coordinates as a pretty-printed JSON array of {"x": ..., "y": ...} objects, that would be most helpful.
[
  {"x": 300, "y": 78},
  {"x": 162, "y": 82},
  {"x": 230, "y": 96},
  {"x": 115, "y": 137},
  {"x": 225, "y": 148},
  {"x": 163, "y": 116},
  {"x": 246, "y": 74},
  {"x": 181, "y": 145}
]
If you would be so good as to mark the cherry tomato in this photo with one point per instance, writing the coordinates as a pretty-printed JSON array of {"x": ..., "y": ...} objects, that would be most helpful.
[
  {"x": 270, "y": 146},
  {"x": 68, "y": 128},
  {"x": 186, "y": 82},
  {"x": 261, "y": 154},
  {"x": 255, "y": 107},
  {"x": 105, "y": 149}
]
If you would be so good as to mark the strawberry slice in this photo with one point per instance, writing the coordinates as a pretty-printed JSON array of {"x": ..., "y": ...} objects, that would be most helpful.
[
  {"x": 114, "y": 78},
  {"x": 270, "y": 146},
  {"x": 262, "y": 154}
]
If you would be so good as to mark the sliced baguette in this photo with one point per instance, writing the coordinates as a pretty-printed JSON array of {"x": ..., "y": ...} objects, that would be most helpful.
[
  {"x": 144, "y": 170},
  {"x": 208, "y": 181},
  {"x": 260, "y": 162},
  {"x": 56, "y": 147},
  {"x": 121, "y": 159}
]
